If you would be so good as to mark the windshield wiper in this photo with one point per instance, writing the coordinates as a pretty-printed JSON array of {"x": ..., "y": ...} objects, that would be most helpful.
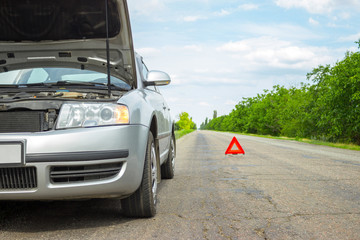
[
  {"x": 117, "y": 87},
  {"x": 64, "y": 83},
  {"x": 8, "y": 86},
  {"x": 60, "y": 83},
  {"x": 74, "y": 83},
  {"x": 34, "y": 85},
  {"x": 93, "y": 84}
]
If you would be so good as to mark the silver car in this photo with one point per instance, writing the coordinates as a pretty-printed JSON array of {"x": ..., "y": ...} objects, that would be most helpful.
[{"x": 80, "y": 114}]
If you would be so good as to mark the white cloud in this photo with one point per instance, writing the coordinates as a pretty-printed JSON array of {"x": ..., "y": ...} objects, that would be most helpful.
[
  {"x": 204, "y": 104},
  {"x": 195, "y": 48},
  {"x": 292, "y": 54},
  {"x": 345, "y": 15},
  {"x": 193, "y": 18},
  {"x": 313, "y": 22},
  {"x": 203, "y": 70},
  {"x": 231, "y": 102},
  {"x": 240, "y": 46},
  {"x": 223, "y": 12},
  {"x": 319, "y": 6},
  {"x": 272, "y": 52},
  {"x": 146, "y": 7},
  {"x": 173, "y": 99},
  {"x": 248, "y": 7},
  {"x": 147, "y": 51},
  {"x": 243, "y": 7},
  {"x": 354, "y": 37},
  {"x": 281, "y": 31}
]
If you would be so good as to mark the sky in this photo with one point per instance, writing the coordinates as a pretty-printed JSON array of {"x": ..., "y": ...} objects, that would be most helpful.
[{"x": 218, "y": 52}]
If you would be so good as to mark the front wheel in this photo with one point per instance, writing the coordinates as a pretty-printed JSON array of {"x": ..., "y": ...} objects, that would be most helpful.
[
  {"x": 142, "y": 203},
  {"x": 168, "y": 168}
]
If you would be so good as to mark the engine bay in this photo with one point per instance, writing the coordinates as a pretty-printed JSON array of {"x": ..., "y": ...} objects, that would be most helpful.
[
  {"x": 38, "y": 111},
  {"x": 65, "y": 94}
]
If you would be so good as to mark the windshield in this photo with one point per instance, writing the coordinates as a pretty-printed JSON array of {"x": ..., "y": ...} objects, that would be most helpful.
[{"x": 54, "y": 75}]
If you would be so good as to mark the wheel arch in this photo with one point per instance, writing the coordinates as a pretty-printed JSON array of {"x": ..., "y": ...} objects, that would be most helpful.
[
  {"x": 173, "y": 135},
  {"x": 154, "y": 131},
  {"x": 154, "y": 126}
]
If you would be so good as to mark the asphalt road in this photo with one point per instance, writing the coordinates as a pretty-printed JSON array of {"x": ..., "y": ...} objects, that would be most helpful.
[{"x": 278, "y": 190}]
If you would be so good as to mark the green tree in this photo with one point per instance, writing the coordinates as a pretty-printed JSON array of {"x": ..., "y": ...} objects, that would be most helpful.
[
  {"x": 337, "y": 92},
  {"x": 185, "y": 122},
  {"x": 215, "y": 114},
  {"x": 176, "y": 127},
  {"x": 192, "y": 124}
]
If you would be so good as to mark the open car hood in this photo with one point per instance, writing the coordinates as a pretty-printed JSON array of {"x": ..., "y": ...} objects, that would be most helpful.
[{"x": 66, "y": 33}]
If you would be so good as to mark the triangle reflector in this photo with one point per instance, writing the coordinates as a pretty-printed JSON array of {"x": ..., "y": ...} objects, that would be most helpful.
[{"x": 229, "y": 150}]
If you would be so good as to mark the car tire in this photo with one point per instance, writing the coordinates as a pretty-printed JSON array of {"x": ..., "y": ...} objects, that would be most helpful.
[
  {"x": 168, "y": 168},
  {"x": 143, "y": 202}
]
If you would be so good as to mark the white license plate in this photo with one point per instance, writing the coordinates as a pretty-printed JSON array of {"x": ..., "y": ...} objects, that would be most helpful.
[{"x": 12, "y": 153}]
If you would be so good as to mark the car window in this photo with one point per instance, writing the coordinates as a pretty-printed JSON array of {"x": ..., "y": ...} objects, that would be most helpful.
[
  {"x": 53, "y": 75},
  {"x": 9, "y": 77},
  {"x": 38, "y": 75}
]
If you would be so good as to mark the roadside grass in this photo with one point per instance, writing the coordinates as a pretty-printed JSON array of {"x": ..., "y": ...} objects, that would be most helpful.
[
  {"x": 181, "y": 133},
  {"x": 305, "y": 140}
]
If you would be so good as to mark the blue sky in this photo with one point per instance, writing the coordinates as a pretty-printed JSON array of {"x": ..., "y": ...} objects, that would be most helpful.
[{"x": 218, "y": 52}]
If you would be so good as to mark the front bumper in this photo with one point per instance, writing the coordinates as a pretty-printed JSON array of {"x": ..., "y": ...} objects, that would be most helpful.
[{"x": 76, "y": 163}]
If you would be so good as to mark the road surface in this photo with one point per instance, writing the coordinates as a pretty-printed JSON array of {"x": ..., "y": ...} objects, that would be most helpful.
[{"x": 278, "y": 190}]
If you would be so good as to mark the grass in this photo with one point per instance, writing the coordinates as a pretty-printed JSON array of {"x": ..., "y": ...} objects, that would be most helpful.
[
  {"x": 310, "y": 141},
  {"x": 181, "y": 133}
]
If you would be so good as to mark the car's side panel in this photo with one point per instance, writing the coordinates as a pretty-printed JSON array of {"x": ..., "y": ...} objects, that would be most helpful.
[
  {"x": 162, "y": 114},
  {"x": 161, "y": 109},
  {"x": 143, "y": 105}
]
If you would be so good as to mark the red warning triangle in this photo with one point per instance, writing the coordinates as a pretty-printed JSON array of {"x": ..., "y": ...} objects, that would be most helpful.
[{"x": 229, "y": 150}]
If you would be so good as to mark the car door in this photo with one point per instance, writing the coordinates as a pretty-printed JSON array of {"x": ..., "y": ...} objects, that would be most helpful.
[{"x": 162, "y": 112}]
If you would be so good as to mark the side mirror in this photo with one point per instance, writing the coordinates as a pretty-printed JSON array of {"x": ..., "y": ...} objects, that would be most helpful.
[{"x": 157, "y": 78}]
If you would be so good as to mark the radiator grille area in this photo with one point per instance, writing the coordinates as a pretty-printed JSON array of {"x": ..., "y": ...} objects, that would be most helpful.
[
  {"x": 18, "y": 178},
  {"x": 22, "y": 121},
  {"x": 73, "y": 174}
]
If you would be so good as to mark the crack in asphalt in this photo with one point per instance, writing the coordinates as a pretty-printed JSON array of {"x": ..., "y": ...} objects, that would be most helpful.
[{"x": 261, "y": 232}]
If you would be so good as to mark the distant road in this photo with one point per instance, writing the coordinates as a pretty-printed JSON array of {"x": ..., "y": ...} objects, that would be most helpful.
[{"x": 278, "y": 190}]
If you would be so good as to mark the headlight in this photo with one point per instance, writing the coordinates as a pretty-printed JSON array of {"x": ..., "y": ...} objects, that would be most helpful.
[{"x": 92, "y": 114}]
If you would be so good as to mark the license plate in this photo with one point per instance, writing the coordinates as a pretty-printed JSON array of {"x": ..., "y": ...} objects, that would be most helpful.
[{"x": 12, "y": 153}]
